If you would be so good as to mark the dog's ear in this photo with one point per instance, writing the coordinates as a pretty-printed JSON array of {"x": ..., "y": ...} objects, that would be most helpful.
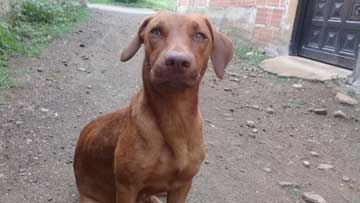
[
  {"x": 135, "y": 43},
  {"x": 222, "y": 52}
]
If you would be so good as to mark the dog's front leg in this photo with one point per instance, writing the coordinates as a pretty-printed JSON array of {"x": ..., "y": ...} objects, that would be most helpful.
[
  {"x": 125, "y": 194},
  {"x": 179, "y": 195}
]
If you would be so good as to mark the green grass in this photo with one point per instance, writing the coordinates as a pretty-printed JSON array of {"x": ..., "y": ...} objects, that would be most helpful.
[
  {"x": 154, "y": 4},
  {"x": 246, "y": 52},
  {"x": 8, "y": 45},
  {"x": 31, "y": 27},
  {"x": 5, "y": 79}
]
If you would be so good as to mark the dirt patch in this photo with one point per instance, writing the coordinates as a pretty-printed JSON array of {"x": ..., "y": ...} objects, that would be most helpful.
[{"x": 258, "y": 127}]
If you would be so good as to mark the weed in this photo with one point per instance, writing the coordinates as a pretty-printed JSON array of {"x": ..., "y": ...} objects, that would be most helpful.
[
  {"x": 279, "y": 79},
  {"x": 296, "y": 194},
  {"x": 247, "y": 53},
  {"x": 296, "y": 104}
]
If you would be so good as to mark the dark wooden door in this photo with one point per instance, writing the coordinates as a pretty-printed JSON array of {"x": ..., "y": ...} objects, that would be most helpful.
[{"x": 331, "y": 32}]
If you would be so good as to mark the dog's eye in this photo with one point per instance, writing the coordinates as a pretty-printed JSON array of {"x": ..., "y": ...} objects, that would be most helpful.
[
  {"x": 156, "y": 31},
  {"x": 200, "y": 36}
]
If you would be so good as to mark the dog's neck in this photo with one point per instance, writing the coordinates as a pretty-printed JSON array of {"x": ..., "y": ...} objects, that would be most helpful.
[
  {"x": 176, "y": 114},
  {"x": 170, "y": 104}
]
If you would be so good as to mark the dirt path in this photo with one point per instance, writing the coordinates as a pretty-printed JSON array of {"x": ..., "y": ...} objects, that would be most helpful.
[{"x": 68, "y": 85}]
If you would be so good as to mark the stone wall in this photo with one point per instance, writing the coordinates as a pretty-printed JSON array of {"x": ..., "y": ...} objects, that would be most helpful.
[{"x": 267, "y": 23}]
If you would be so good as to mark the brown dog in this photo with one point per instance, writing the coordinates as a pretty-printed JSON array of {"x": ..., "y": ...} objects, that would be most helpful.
[{"x": 156, "y": 144}]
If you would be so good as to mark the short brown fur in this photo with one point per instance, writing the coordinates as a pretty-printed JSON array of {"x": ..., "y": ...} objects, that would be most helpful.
[{"x": 155, "y": 144}]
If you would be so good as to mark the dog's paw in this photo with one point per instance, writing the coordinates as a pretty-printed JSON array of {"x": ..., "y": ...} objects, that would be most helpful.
[{"x": 153, "y": 199}]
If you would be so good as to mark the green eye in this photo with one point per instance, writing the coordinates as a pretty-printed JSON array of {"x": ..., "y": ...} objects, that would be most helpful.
[
  {"x": 156, "y": 31},
  {"x": 200, "y": 36}
]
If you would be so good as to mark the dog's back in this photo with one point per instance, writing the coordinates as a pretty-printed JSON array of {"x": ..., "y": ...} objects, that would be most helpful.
[{"x": 97, "y": 144}]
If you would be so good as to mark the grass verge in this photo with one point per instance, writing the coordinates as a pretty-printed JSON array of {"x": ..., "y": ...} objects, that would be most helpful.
[
  {"x": 153, "y": 4},
  {"x": 30, "y": 26}
]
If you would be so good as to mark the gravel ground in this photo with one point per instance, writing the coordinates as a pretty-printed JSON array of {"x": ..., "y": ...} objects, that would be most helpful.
[{"x": 259, "y": 130}]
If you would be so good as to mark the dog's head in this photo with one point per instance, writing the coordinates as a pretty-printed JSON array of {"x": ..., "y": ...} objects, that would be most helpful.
[{"x": 177, "y": 49}]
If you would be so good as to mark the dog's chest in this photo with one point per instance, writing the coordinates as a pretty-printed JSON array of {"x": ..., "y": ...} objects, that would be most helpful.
[{"x": 171, "y": 172}]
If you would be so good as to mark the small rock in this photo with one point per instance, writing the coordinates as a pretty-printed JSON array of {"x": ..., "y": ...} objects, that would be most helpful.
[
  {"x": 42, "y": 109},
  {"x": 311, "y": 197},
  {"x": 325, "y": 166},
  {"x": 298, "y": 86},
  {"x": 85, "y": 58},
  {"x": 346, "y": 179},
  {"x": 310, "y": 110},
  {"x": 39, "y": 70},
  {"x": 28, "y": 141},
  {"x": 64, "y": 62},
  {"x": 252, "y": 136},
  {"x": 250, "y": 53},
  {"x": 229, "y": 119},
  {"x": 233, "y": 74},
  {"x": 351, "y": 186},
  {"x": 339, "y": 114},
  {"x": 2, "y": 175},
  {"x": 261, "y": 51},
  {"x": 207, "y": 162},
  {"x": 322, "y": 112},
  {"x": 81, "y": 69},
  {"x": 19, "y": 122},
  {"x": 235, "y": 79},
  {"x": 250, "y": 124},
  {"x": 227, "y": 89},
  {"x": 345, "y": 99},
  {"x": 82, "y": 45},
  {"x": 255, "y": 130},
  {"x": 314, "y": 154},
  {"x": 268, "y": 170},
  {"x": 270, "y": 111},
  {"x": 306, "y": 164},
  {"x": 89, "y": 87},
  {"x": 286, "y": 184},
  {"x": 256, "y": 107}
]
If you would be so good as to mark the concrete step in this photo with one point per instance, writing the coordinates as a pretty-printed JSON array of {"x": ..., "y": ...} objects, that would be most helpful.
[{"x": 290, "y": 66}]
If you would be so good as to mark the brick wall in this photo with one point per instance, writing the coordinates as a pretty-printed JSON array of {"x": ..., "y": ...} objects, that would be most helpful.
[
  {"x": 271, "y": 25},
  {"x": 193, "y": 3},
  {"x": 229, "y": 3},
  {"x": 269, "y": 18}
]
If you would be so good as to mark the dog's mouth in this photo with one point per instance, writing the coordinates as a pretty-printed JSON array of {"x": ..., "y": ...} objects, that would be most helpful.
[{"x": 162, "y": 77}]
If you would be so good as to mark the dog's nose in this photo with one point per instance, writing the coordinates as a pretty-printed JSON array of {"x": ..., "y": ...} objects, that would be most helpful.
[{"x": 178, "y": 60}]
